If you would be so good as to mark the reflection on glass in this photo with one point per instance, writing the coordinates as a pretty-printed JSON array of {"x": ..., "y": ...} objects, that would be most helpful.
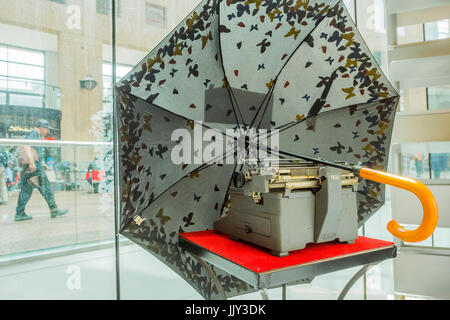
[
  {"x": 437, "y": 30},
  {"x": 439, "y": 163},
  {"x": 414, "y": 99},
  {"x": 415, "y": 165},
  {"x": 3, "y": 83},
  {"x": 25, "y": 71},
  {"x": 155, "y": 15},
  {"x": 43, "y": 57},
  {"x": 3, "y": 54},
  {"x": 371, "y": 24},
  {"x": 104, "y": 6},
  {"x": 22, "y": 79},
  {"x": 83, "y": 187},
  {"x": 25, "y": 100},
  {"x": 442, "y": 237},
  {"x": 3, "y": 68},
  {"x": 439, "y": 97},
  {"x": 121, "y": 70},
  {"x": 26, "y": 56},
  {"x": 410, "y": 34}
]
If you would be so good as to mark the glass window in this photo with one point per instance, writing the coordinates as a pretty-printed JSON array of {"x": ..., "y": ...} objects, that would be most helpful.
[
  {"x": 105, "y": 7},
  {"x": 25, "y": 100},
  {"x": 3, "y": 68},
  {"x": 350, "y": 4},
  {"x": 439, "y": 97},
  {"x": 439, "y": 163},
  {"x": 28, "y": 86},
  {"x": 414, "y": 99},
  {"x": 40, "y": 79},
  {"x": 121, "y": 70},
  {"x": 25, "y": 71},
  {"x": 26, "y": 56},
  {"x": 107, "y": 69},
  {"x": 437, "y": 30},
  {"x": 442, "y": 237},
  {"x": 415, "y": 165},
  {"x": 3, "y": 83},
  {"x": 410, "y": 34},
  {"x": 35, "y": 73},
  {"x": 155, "y": 15},
  {"x": 3, "y": 55},
  {"x": 371, "y": 25}
]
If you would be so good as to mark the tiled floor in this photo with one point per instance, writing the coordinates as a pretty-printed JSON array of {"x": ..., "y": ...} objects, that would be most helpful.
[{"x": 90, "y": 219}]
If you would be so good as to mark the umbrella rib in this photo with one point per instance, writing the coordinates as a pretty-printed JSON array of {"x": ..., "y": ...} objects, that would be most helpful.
[
  {"x": 229, "y": 89},
  {"x": 181, "y": 116},
  {"x": 170, "y": 34},
  {"x": 235, "y": 100},
  {"x": 227, "y": 194},
  {"x": 231, "y": 96},
  {"x": 319, "y": 103},
  {"x": 292, "y": 54},
  {"x": 265, "y": 109},
  {"x": 370, "y": 52},
  {"x": 324, "y": 162},
  {"x": 386, "y": 100},
  {"x": 292, "y": 124},
  {"x": 268, "y": 95},
  {"x": 198, "y": 169}
]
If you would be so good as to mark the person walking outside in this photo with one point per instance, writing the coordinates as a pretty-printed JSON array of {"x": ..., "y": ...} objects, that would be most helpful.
[
  {"x": 93, "y": 174},
  {"x": 33, "y": 175}
]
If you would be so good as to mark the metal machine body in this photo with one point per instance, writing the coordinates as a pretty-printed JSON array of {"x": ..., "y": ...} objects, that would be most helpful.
[{"x": 287, "y": 206}]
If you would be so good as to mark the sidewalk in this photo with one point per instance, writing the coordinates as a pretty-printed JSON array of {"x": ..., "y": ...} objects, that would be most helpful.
[{"x": 91, "y": 218}]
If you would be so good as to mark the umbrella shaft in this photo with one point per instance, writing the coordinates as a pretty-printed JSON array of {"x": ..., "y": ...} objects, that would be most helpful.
[{"x": 327, "y": 163}]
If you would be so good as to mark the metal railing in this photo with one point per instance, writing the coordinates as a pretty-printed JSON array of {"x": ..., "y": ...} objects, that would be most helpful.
[{"x": 52, "y": 143}]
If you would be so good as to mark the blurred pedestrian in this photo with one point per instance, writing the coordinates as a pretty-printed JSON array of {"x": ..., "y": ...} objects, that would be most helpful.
[
  {"x": 419, "y": 164},
  {"x": 33, "y": 174},
  {"x": 93, "y": 176},
  {"x": 51, "y": 162}
]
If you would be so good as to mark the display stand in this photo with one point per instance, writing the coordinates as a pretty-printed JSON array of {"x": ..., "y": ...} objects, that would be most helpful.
[{"x": 257, "y": 267}]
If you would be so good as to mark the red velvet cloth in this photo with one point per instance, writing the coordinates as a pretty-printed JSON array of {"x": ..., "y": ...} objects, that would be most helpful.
[{"x": 259, "y": 259}]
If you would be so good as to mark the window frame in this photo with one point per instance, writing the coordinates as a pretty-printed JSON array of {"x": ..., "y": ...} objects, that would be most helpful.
[
  {"x": 155, "y": 6},
  {"x": 8, "y": 78},
  {"x": 100, "y": 9}
]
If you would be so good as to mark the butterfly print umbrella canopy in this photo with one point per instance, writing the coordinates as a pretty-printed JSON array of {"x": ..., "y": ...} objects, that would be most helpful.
[{"x": 297, "y": 66}]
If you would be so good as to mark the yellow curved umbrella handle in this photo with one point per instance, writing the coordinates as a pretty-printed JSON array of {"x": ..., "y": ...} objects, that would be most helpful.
[{"x": 430, "y": 209}]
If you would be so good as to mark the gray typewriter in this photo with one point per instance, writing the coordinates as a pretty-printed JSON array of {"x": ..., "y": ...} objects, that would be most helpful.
[{"x": 285, "y": 206}]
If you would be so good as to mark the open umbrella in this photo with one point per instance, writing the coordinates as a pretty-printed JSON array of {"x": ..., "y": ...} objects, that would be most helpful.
[{"x": 296, "y": 68}]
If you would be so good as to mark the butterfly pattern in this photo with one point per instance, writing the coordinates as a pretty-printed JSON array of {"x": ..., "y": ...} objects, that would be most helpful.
[
  {"x": 343, "y": 72},
  {"x": 326, "y": 92},
  {"x": 136, "y": 117},
  {"x": 289, "y": 22},
  {"x": 363, "y": 135}
]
